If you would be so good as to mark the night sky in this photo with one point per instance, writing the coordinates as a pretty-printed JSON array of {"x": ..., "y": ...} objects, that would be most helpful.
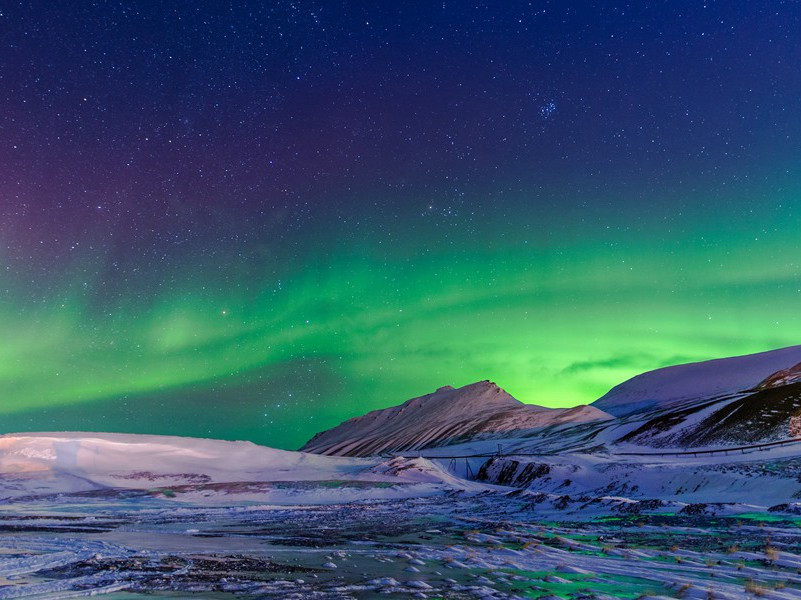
[{"x": 254, "y": 220}]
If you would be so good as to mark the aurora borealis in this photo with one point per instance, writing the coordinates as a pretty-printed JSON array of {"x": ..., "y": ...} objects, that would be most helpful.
[{"x": 251, "y": 222}]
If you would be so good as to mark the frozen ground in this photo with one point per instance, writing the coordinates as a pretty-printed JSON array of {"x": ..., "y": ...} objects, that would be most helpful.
[
  {"x": 457, "y": 544},
  {"x": 156, "y": 517}
]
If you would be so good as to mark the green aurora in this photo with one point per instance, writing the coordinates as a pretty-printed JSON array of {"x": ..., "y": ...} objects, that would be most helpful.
[
  {"x": 371, "y": 325},
  {"x": 254, "y": 221}
]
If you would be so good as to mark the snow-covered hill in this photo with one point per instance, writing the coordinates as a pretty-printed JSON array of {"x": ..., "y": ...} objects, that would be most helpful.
[
  {"x": 478, "y": 411},
  {"x": 738, "y": 401},
  {"x": 40, "y": 464},
  {"x": 669, "y": 386},
  {"x": 759, "y": 478}
]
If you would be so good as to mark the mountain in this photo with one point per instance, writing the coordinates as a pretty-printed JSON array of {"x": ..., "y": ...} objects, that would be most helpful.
[
  {"x": 478, "y": 411},
  {"x": 725, "y": 402},
  {"x": 670, "y": 386},
  {"x": 762, "y": 415},
  {"x": 728, "y": 402}
]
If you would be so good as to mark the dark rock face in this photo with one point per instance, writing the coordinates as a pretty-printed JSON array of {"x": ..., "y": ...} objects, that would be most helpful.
[
  {"x": 503, "y": 476},
  {"x": 695, "y": 509},
  {"x": 782, "y": 378},
  {"x": 765, "y": 415},
  {"x": 506, "y": 471}
]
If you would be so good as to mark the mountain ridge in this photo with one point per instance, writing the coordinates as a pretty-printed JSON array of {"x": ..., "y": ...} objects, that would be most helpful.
[
  {"x": 478, "y": 410},
  {"x": 723, "y": 401},
  {"x": 667, "y": 386}
]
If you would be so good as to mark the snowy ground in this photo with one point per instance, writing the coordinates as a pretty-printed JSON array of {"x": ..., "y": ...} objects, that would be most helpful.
[
  {"x": 451, "y": 545},
  {"x": 148, "y": 516}
]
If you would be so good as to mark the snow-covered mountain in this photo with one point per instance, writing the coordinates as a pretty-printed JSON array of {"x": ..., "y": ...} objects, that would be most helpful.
[
  {"x": 478, "y": 411},
  {"x": 727, "y": 402},
  {"x": 670, "y": 386},
  {"x": 722, "y": 403}
]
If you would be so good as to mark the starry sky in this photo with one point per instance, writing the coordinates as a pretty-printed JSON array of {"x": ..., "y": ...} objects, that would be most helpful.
[{"x": 253, "y": 220}]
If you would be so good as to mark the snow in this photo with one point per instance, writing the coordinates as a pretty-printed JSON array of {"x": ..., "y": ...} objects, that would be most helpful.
[
  {"x": 480, "y": 410},
  {"x": 663, "y": 387},
  {"x": 563, "y": 507},
  {"x": 109, "y": 458},
  {"x": 36, "y": 464},
  {"x": 214, "y": 472},
  {"x": 760, "y": 480},
  {"x": 477, "y": 546}
]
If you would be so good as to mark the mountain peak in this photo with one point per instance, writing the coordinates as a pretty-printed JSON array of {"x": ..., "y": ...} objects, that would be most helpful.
[
  {"x": 448, "y": 415},
  {"x": 482, "y": 391},
  {"x": 484, "y": 384}
]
